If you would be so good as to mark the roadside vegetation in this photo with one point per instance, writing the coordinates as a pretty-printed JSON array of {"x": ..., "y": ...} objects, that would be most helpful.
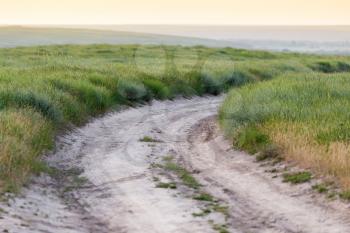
[
  {"x": 47, "y": 89},
  {"x": 297, "y": 178},
  {"x": 302, "y": 117}
]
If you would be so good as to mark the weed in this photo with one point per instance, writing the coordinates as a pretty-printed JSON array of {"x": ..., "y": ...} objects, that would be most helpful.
[
  {"x": 166, "y": 185},
  {"x": 183, "y": 174},
  {"x": 221, "y": 209},
  {"x": 212, "y": 208},
  {"x": 189, "y": 180},
  {"x": 79, "y": 181},
  {"x": 41, "y": 167},
  {"x": 156, "y": 179},
  {"x": 269, "y": 152},
  {"x": 221, "y": 228},
  {"x": 297, "y": 178},
  {"x": 345, "y": 195},
  {"x": 203, "y": 213},
  {"x": 3, "y": 211},
  {"x": 156, "y": 165},
  {"x": 204, "y": 197},
  {"x": 273, "y": 170},
  {"x": 321, "y": 188},
  {"x": 331, "y": 195},
  {"x": 148, "y": 139},
  {"x": 168, "y": 158}
]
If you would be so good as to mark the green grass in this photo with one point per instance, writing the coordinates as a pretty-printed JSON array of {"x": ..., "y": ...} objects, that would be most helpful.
[
  {"x": 213, "y": 208},
  {"x": 221, "y": 209},
  {"x": 166, "y": 185},
  {"x": 305, "y": 116},
  {"x": 320, "y": 188},
  {"x": 183, "y": 174},
  {"x": 221, "y": 228},
  {"x": 211, "y": 204},
  {"x": 168, "y": 158},
  {"x": 203, "y": 213},
  {"x": 297, "y": 177},
  {"x": 45, "y": 89},
  {"x": 204, "y": 197},
  {"x": 252, "y": 140},
  {"x": 269, "y": 151},
  {"x": 345, "y": 195},
  {"x": 148, "y": 139}
]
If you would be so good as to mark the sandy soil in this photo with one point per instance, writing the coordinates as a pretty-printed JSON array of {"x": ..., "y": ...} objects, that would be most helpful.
[{"x": 105, "y": 181}]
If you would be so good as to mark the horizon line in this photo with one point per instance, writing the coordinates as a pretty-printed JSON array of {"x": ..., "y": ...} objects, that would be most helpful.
[{"x": 135, "y": 24}]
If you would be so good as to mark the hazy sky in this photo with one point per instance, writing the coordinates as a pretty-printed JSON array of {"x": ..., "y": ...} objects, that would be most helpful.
[{"x": 241, "y": 12}]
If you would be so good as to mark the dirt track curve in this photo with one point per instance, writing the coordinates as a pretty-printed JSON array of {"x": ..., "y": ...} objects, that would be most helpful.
[{"x": 105, "y": 181}]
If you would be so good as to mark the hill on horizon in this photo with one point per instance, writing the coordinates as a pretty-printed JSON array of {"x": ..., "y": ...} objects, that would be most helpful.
[{"x": 13, "y": 36}]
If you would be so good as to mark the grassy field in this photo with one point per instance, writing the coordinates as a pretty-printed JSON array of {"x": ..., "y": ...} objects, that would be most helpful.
[
  {"x": 46, "y": 89},
  {"x": 303, "y": 117},
  {"x": 14, "y": 36}
]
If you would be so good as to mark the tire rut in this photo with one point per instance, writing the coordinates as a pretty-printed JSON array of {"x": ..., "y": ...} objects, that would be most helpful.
[{"x": 250, "y": 191}]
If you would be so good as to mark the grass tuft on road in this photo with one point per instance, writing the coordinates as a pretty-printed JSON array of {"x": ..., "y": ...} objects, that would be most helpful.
[
  {"x": 204, "y": 197},
  {"x": 297, "y": 177},
  {"x": 183, "y": 174},
  {"x": 148, "y": 139},
  {"x": 166, "y": 185}
]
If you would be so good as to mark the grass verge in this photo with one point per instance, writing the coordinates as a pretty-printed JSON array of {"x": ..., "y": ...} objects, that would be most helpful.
[{"x": 305, "y": 117}]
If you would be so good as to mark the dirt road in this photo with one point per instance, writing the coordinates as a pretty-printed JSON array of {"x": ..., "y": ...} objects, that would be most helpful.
[{"x": 110, "y": 176}]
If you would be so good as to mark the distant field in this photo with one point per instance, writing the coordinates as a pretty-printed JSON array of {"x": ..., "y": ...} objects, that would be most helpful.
[
  {"x": 311, "y": 40},
  {"x": 48, "y": 88},
  {"x": 31, "y": 36}
]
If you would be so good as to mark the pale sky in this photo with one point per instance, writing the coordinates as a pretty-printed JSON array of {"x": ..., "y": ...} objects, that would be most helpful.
[{"x": 237, "y": 12}]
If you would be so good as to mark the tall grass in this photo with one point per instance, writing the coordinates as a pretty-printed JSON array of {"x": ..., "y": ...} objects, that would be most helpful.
[
  {"x": 306, "y": 115},
  {"x": 24, "y": 135}
]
